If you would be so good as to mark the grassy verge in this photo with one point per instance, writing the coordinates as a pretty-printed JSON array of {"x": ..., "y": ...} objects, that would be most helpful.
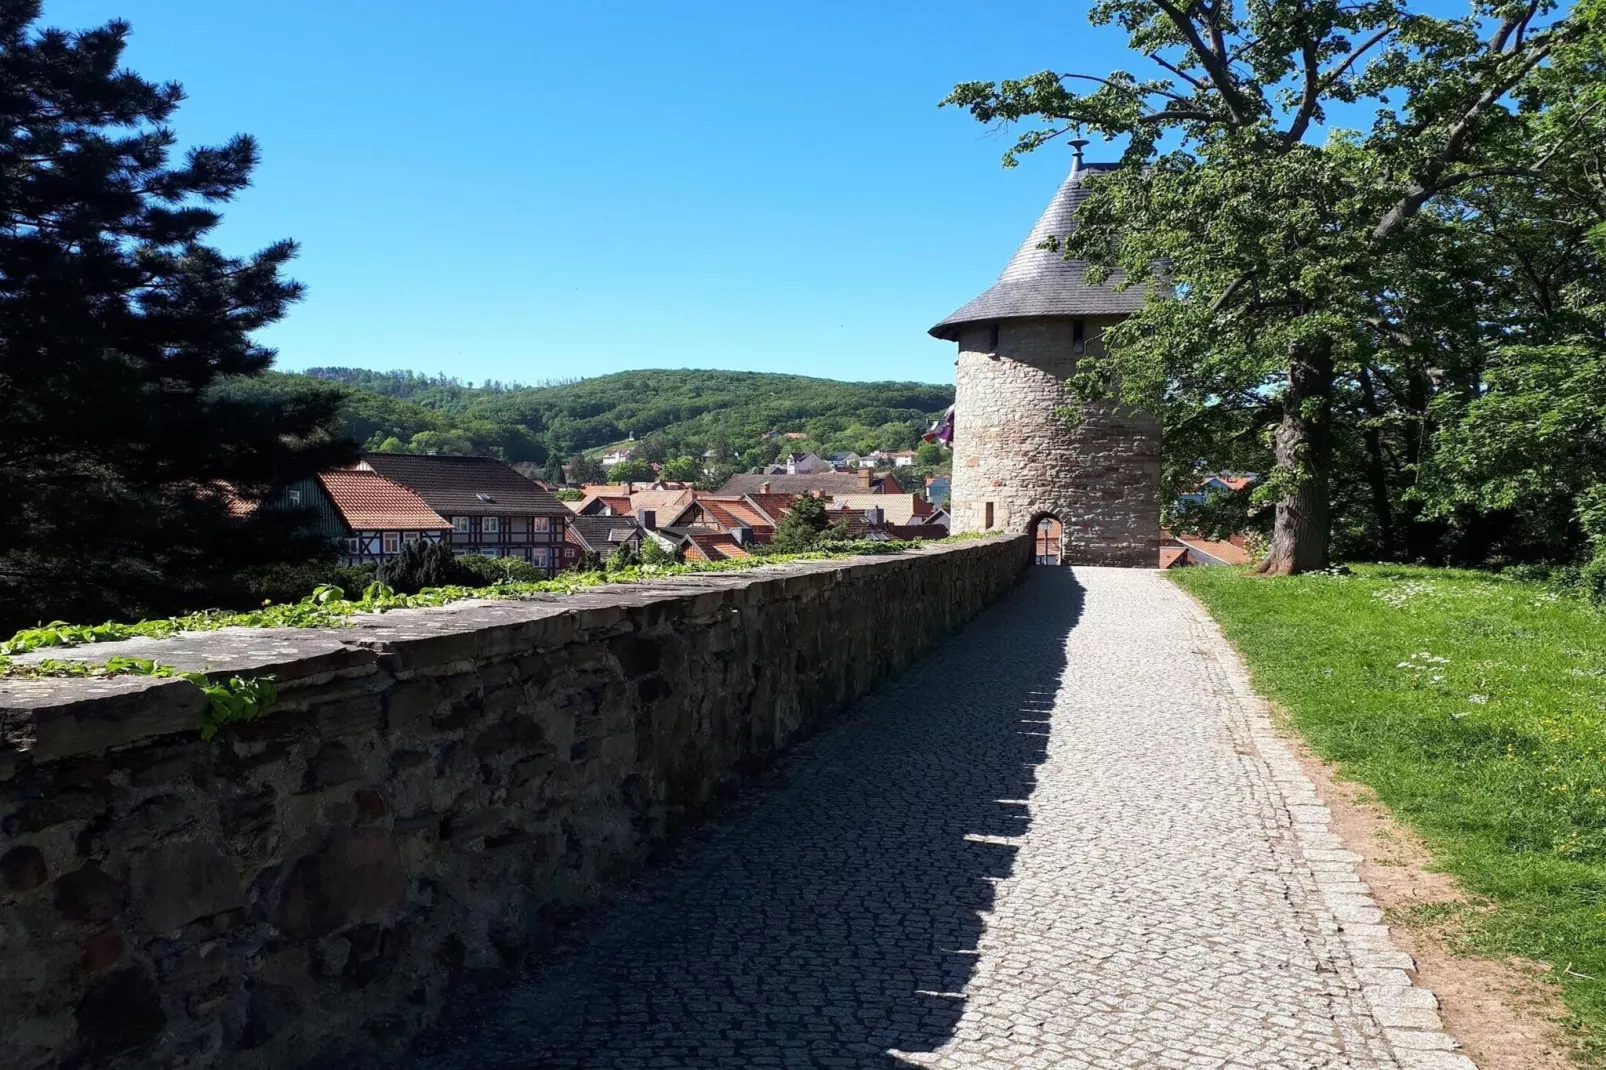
[{"x": 1475, "y": 707}]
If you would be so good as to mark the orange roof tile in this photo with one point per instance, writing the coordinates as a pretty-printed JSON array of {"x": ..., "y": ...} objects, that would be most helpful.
[
  {"x": 733, "y": 511},
  {"x": 774, "y": 506},
  {"x": 668, "y": 504},
  {"x": 367, "y": 501},
  {"x": 1221, "y": 551},
  {"x": 717, "y": 545}
]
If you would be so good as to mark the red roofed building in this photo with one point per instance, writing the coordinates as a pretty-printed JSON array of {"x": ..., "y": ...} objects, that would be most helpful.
[
  {"x": 371, "y": 517},
  {"x": 712, "y": 546},
  {"x": 492, "y": 509},
  {"x": 1177, "y": 551}
]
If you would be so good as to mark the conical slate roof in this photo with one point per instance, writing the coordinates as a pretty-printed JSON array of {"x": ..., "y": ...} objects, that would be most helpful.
[{"x": 1041, "y": 282}]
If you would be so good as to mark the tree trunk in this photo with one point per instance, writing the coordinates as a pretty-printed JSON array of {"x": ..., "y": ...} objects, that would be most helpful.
[
  {"x": 1304, "y": 452},
  {"x": 1377, "y": 470}
]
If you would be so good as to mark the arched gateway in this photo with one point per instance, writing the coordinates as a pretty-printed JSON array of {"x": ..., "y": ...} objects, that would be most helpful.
[{"x": 1015, "y": 459}]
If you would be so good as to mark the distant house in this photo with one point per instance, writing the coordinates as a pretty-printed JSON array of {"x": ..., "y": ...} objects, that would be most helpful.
[
  {"x": 804, "y": 463},
  {"x": 604, "y": 534},
  {"x": 368, "y": 517},
  {"x": 939, "y": 489},
  {"x": 1177, "y": 551},
  {"x": 492, "y": 509},
  {"x": 864, "y": 481},
  {"x": 844, "y": 459},
  {"x": 698, "y": 545},
  {"x": 1217, "y": 484},
  {"x": 730, "y": 513},
  {"x": 895, "y": 508},
  {"x": 903, "y": 458},
  {"x": 662, "y": 503},
  {"x": 872, "y": 522}
]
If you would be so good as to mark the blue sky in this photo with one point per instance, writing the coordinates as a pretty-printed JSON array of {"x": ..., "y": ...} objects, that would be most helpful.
[{"x": 553, "y": 188}]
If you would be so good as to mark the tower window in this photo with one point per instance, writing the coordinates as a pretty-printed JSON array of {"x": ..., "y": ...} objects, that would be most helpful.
[
  {"x": 987, "y": 516},
  {"x": 992, "y": 339}
]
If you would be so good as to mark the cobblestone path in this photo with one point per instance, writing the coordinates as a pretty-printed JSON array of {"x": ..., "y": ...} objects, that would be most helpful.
[{"x": 1069, "y": 839}]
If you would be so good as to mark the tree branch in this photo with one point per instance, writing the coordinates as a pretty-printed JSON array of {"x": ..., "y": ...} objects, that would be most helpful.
[
  {"x": 1211, "y": 61},
  {"x": 1130, "y": 91},
  {"x": 1371, "y": 42},
  {"x": 1423, "y": 187},
  {"x": 1391, "y": 330},
  {"x": 1232, "y": 288},
  {"x": 1309, "y": 96},
  {"x": 1198, "y": 83}
]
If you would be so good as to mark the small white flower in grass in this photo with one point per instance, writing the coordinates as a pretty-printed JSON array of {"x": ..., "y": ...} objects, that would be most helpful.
[{"x": 1478, "y": 700}]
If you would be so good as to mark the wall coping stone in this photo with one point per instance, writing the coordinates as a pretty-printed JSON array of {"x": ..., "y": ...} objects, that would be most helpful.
[{"x": 45, "y": 720}]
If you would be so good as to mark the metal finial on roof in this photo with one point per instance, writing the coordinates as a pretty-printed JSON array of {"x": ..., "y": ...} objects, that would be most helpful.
[{"x": 1039, "y": 281}]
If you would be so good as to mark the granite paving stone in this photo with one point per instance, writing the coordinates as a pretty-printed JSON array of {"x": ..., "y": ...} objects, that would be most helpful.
[{"x": 1069, "y": 838}]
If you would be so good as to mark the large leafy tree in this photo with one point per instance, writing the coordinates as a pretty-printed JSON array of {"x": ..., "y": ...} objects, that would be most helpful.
[
  {"x": 1286, "y": 261},
  {"x": 128, "y": 474},
  {"x": 1524, "y": 441}
]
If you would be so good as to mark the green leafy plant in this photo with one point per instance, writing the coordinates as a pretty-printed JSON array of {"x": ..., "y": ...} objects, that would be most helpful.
[
  {"x": 233, "y": 701},
  {"x": 328, "y": 605}
]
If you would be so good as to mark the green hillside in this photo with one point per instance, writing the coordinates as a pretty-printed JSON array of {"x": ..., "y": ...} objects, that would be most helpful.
[{"x": 671, "y": 413}]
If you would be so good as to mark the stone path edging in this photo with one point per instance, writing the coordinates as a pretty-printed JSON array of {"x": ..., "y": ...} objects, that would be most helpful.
[{"x": 1408, "y": 1013}]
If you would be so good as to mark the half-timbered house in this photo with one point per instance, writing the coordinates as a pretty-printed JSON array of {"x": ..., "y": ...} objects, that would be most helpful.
[{"x": 491, "y": 509}]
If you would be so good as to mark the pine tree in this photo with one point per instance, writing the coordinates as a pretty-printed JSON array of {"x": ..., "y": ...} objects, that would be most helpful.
[
  {"x": 801, "y": 527},
  {"x": 131, "y": 477}
]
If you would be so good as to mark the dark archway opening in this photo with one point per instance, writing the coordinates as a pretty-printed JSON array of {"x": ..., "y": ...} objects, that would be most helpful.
[{"x": 1048, "y": 540}]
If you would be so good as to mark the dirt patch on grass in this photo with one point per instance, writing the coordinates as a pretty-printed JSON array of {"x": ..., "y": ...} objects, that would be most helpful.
[{"x": 1506, "y": 1016}]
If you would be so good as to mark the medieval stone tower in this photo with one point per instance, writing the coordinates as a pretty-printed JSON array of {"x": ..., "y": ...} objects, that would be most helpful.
[{"x": 1017, "y": 462}]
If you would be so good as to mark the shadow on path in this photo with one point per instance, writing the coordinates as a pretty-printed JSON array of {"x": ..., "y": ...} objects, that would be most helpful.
[{"x": 833, "y": 920}]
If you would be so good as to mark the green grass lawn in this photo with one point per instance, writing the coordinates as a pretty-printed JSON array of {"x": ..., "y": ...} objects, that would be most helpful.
[{"x": 1475, "y": 707}]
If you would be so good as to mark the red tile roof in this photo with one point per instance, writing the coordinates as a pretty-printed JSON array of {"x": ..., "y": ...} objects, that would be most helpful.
[
  {"x": 773, "y": 505},
  {"x": 733, "y": 511},
  {"x": 1221, "y": 551},
  {"x": 1173, "y": 556},
  {"x": 716, "y": 545},
  {"x": 368, "y": 501},
  {"x": 619, "y": 505}
]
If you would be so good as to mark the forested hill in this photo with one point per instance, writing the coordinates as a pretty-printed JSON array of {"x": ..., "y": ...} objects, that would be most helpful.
[{"x": 723, "y": 411}]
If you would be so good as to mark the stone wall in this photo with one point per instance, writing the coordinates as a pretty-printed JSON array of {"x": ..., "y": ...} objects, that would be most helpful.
[
  {"x": 435, "y": 789},
  {"x": 1101, "y": 477}
]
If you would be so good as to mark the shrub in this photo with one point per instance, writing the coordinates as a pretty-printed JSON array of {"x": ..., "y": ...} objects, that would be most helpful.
[
  {"x": 290, "y": 583},
  {"x": 419, "y": 565},
  {"x": 477, "y": 570},
  {"x": 653, "y": 553},
  {"x": 625, "y": 557},
  {"x": 801, "y": 527}
]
